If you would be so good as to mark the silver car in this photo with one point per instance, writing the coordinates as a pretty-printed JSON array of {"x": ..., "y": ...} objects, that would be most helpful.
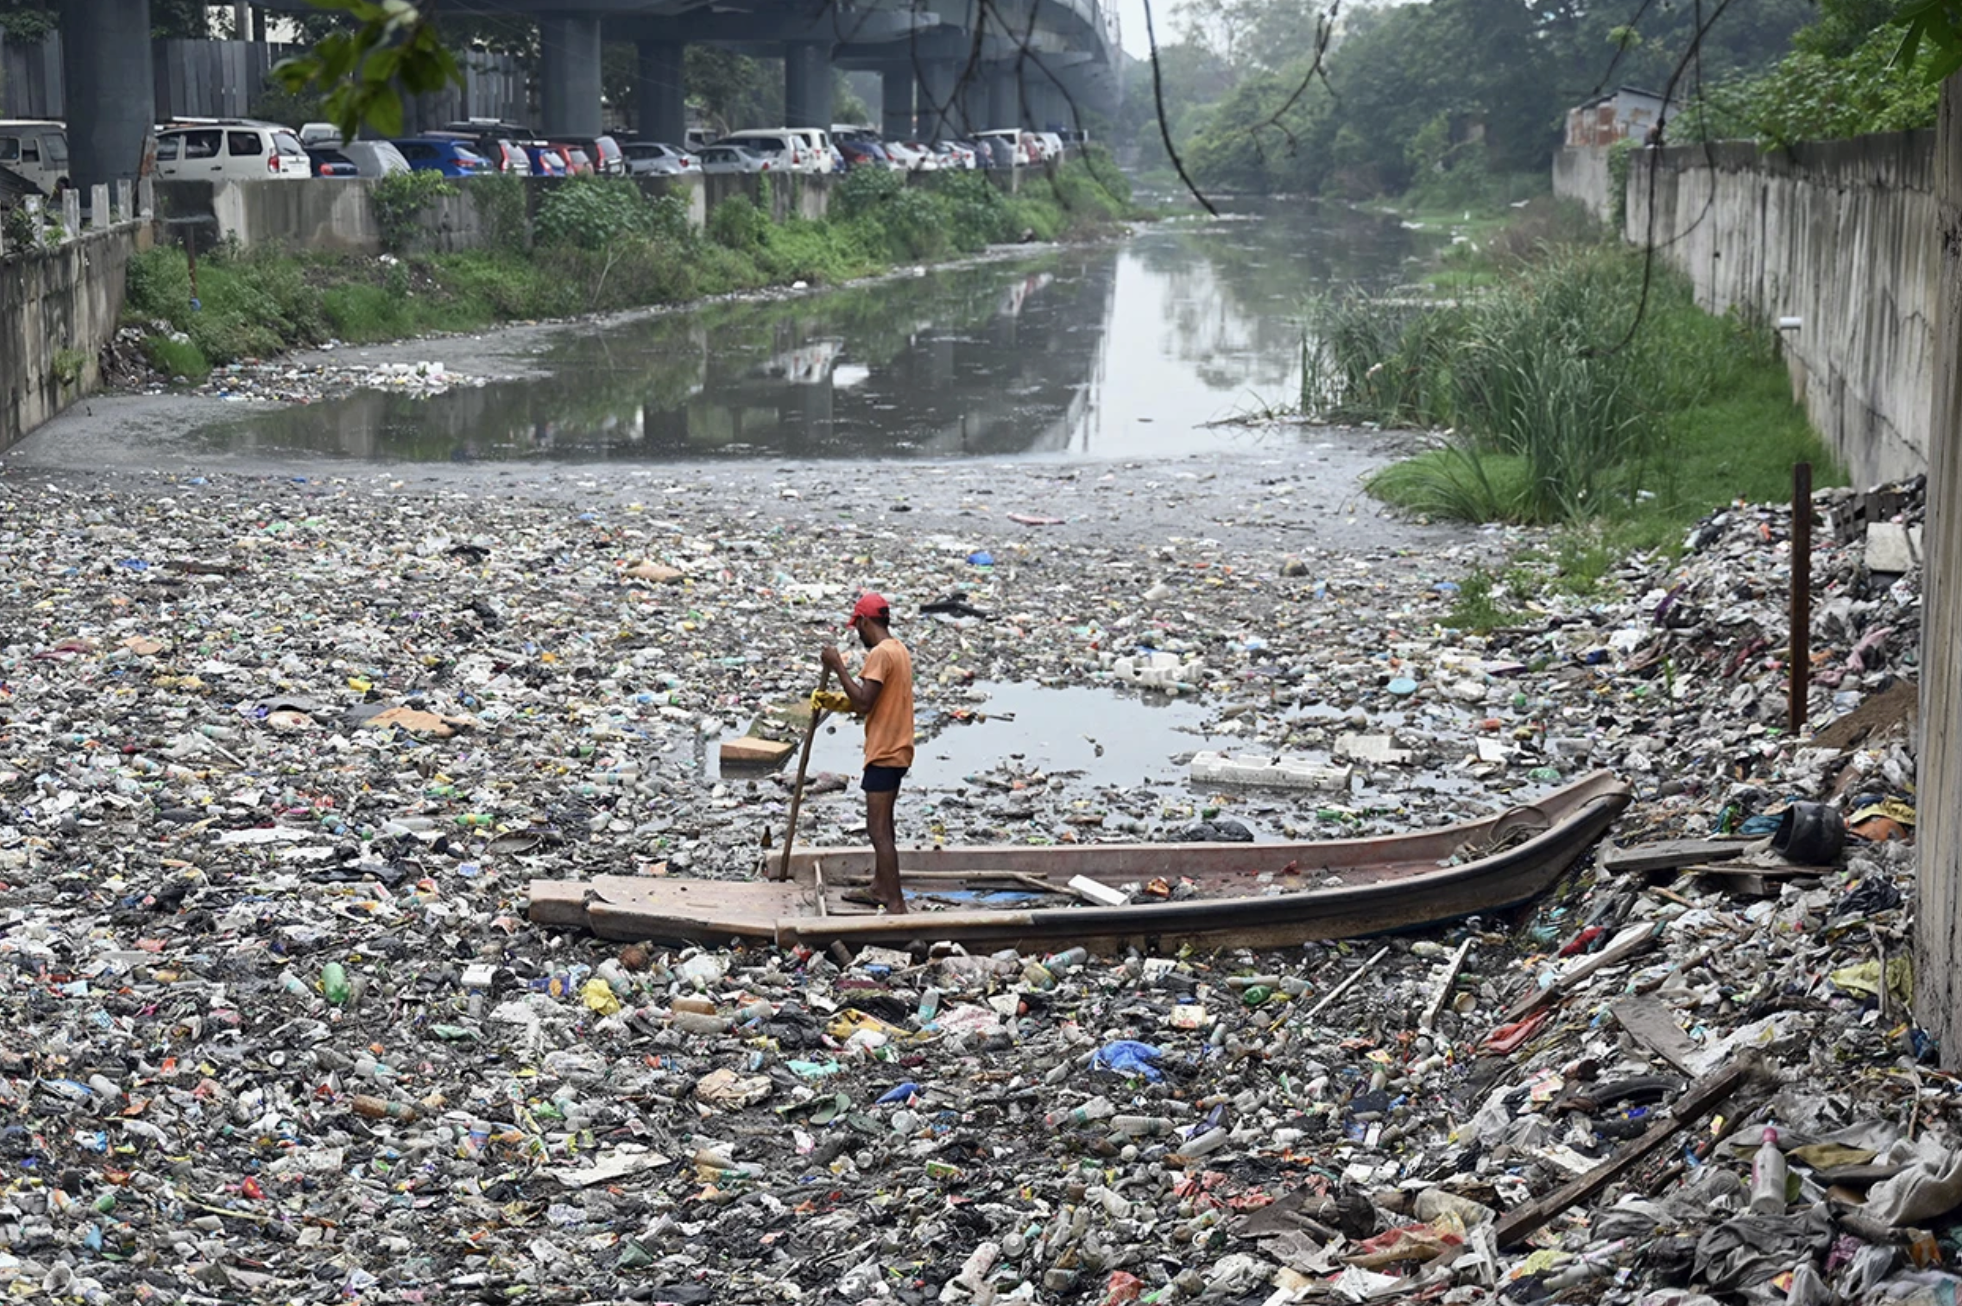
[
  {"x": 733, "y": 158},
  {"x": 651, "y": 158}
]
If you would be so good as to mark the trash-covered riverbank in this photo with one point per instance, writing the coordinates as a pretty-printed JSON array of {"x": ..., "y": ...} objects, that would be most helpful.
[{"x": 279, "y": 757}]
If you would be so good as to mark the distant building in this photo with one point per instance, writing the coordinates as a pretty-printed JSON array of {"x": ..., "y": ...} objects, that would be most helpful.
[{"x": 1626, "y": 114}]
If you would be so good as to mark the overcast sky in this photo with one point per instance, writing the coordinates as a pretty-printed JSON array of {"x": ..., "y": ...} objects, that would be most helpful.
[{"x": 1130, "y": 13}]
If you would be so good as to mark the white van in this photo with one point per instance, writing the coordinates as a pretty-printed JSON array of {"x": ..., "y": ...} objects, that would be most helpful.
[
  {"x": 786, "y": 150},
  {"x": 232, "y": 150},
  {"x": 37, "y": 150}
]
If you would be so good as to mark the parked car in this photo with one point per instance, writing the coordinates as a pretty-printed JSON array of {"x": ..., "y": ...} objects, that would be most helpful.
[
  {"x": 1021, "y": 145},
  {"x": 863, "y": 152},
  {"x": 912, "y": 156},
  {"x": 697, "y": 139},
  {"x": 331, "y": 163},
  {"x": 36, "y": 150},
  {"x": 953, "y": 157},
  {"x": 654, "y": 159},
  {"x": 319, "y": 133},
  {"x": 578, "y": 163},
  {"x": 818, "y": 154},
  {"x": 374, "y": 158},
  {"x": 1051, "y": 143},
  {"x": 784, "y": 148},
  {"x": 231, "y": 150},
  {"x": 604, "y": 152},
  {"x": 546, "y": 161},
  {"x": 734, "y": 158},
  {"x": 505, "y": 154},
  {"x": 444, "y": 154},
  {"x": 509, "y": 131}
]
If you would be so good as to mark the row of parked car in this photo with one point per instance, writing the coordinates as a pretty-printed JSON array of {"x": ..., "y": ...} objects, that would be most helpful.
[{"x": 238, "y": 149}]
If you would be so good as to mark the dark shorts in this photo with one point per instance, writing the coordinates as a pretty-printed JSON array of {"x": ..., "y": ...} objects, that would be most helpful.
[{"x": 882, "y": 779}]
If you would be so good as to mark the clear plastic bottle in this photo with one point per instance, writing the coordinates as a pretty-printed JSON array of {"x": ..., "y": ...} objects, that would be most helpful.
[
  {"x": 1097, "y": 1108},
  {"x": 1768, "y": 1176}
]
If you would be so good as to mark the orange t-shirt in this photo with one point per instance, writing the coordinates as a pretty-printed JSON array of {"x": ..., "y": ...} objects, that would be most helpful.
[{"x": 889, "y": 728}]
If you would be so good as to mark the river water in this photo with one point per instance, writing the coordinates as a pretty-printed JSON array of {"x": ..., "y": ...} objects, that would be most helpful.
[{"x": 1133, "y": 349}]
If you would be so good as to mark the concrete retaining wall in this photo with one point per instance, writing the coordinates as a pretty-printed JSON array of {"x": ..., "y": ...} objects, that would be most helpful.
[
  {"x": 1842, "y": 235},
  {"x": 1938, "y": 840},
  {"x": 58, "y": 309},
  {"x": 1580, "y": 173},
  {"x": 336, "y": 215}
]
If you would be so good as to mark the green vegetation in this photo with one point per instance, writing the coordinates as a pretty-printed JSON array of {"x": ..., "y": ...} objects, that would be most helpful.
[
  {"x": 1557, "y": 408},
  {"x": 1450, "y": 101},
  {"x": 398, "y": 201},
  {"x": 68, "y": 366},
  {"x": 1848, "y": 73},
  {"x": 1478, "y": 607},
  {"x": 598, "y": 245}
]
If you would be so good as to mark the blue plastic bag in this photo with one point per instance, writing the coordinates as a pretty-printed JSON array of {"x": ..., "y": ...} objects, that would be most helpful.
[{"x": 1129, "y": 1057}]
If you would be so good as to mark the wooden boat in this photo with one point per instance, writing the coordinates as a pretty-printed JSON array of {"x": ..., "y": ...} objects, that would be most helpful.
[{"x": 1241, "y": 894}]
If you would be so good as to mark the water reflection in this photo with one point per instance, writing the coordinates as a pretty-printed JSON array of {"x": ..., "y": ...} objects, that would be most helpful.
[{"x": 1124, "y": 350}]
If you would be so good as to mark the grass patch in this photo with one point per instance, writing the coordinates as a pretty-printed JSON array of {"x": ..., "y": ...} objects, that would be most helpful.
[
  {"x": 598, "y": 246},
  {"x": 176, "y": 358},
  {"x": 1479, "y": 607},
  {"x": 1556, "y": 413}
]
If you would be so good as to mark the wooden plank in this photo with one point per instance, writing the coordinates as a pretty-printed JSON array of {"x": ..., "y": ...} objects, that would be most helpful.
[
  {"x": 1654, "y": 1026},
  {"x": 1702, "y": 1098},
  {"x": 1670, "y": 854},
  {"x": 751, "y": 751},
  {"x": 1450, "y": 982},
  {"x": 1624, "y": 945}
]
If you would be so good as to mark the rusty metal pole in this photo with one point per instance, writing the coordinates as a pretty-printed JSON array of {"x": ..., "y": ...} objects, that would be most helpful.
[{"x": 1800, "y": 650}]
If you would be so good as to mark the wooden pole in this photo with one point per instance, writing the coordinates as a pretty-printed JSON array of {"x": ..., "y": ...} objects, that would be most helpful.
[
  {"x": 797, "y": 789},
  {"x": 1800, "y": 650}
]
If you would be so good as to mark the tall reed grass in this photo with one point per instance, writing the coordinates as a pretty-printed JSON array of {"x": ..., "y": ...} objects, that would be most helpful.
[{"x": 1553, "y": 409}]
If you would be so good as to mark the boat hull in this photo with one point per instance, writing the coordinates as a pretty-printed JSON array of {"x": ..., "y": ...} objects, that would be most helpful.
[{"x": 1245, "y": 895}]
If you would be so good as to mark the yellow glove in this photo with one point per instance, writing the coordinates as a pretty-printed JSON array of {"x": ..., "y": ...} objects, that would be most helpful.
[{"x": 830, "y": 700}]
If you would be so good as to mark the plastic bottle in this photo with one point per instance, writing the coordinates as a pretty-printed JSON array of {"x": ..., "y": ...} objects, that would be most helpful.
[
  {"x": 1210, "y": 1141},
  {"x": 1141, "y": 1126},
  {"x": 1068, "y": 959},
  {"x": 380, "y": 1108},
  {"x": 333, "y": 983},
  {"x": 1038, "y": 976},
  {"x": 1097, "y": 1108},
  {"x": 694, "y": 1022},
  {"x": 1768, "y": 1176}
]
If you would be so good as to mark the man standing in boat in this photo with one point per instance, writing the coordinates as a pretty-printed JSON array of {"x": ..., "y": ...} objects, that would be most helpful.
[{"x": 883, "y": 695}]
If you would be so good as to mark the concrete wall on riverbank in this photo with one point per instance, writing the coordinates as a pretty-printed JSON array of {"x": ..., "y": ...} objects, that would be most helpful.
[
  {"x": 58, "y": 310},
  {"x": 1580, "y": 173},
  {"x": 1938, "y": 797},
  {"x": 1841, "y": 235},
  {"x": 334, "y": 215}
]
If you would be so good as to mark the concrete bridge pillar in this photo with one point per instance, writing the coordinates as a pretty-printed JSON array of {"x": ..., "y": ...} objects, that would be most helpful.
[
  {"x": 971, "y": 96},
  {"x": 569, "y": 66},
  {"x": 939, "y": 87},
  {"x": 807, "y": 84},
  {"x": 660, "y": 109},
  {"x": 1004, "y": 96},
  {"x": 105, "y": 63},
  {"x": 1047, "y": 110},
  {"x": 896, "y": 102}
]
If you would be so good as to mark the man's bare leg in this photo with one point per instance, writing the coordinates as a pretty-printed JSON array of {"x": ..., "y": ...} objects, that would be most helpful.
[{"x": 885, "y": 849}]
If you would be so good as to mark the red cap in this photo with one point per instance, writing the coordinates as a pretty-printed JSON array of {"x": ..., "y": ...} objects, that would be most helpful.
[{"x": 870, "y": 604}]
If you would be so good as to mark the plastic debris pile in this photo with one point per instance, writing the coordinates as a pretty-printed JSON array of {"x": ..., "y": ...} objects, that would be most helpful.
[{"x": 278, "y": 758}]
